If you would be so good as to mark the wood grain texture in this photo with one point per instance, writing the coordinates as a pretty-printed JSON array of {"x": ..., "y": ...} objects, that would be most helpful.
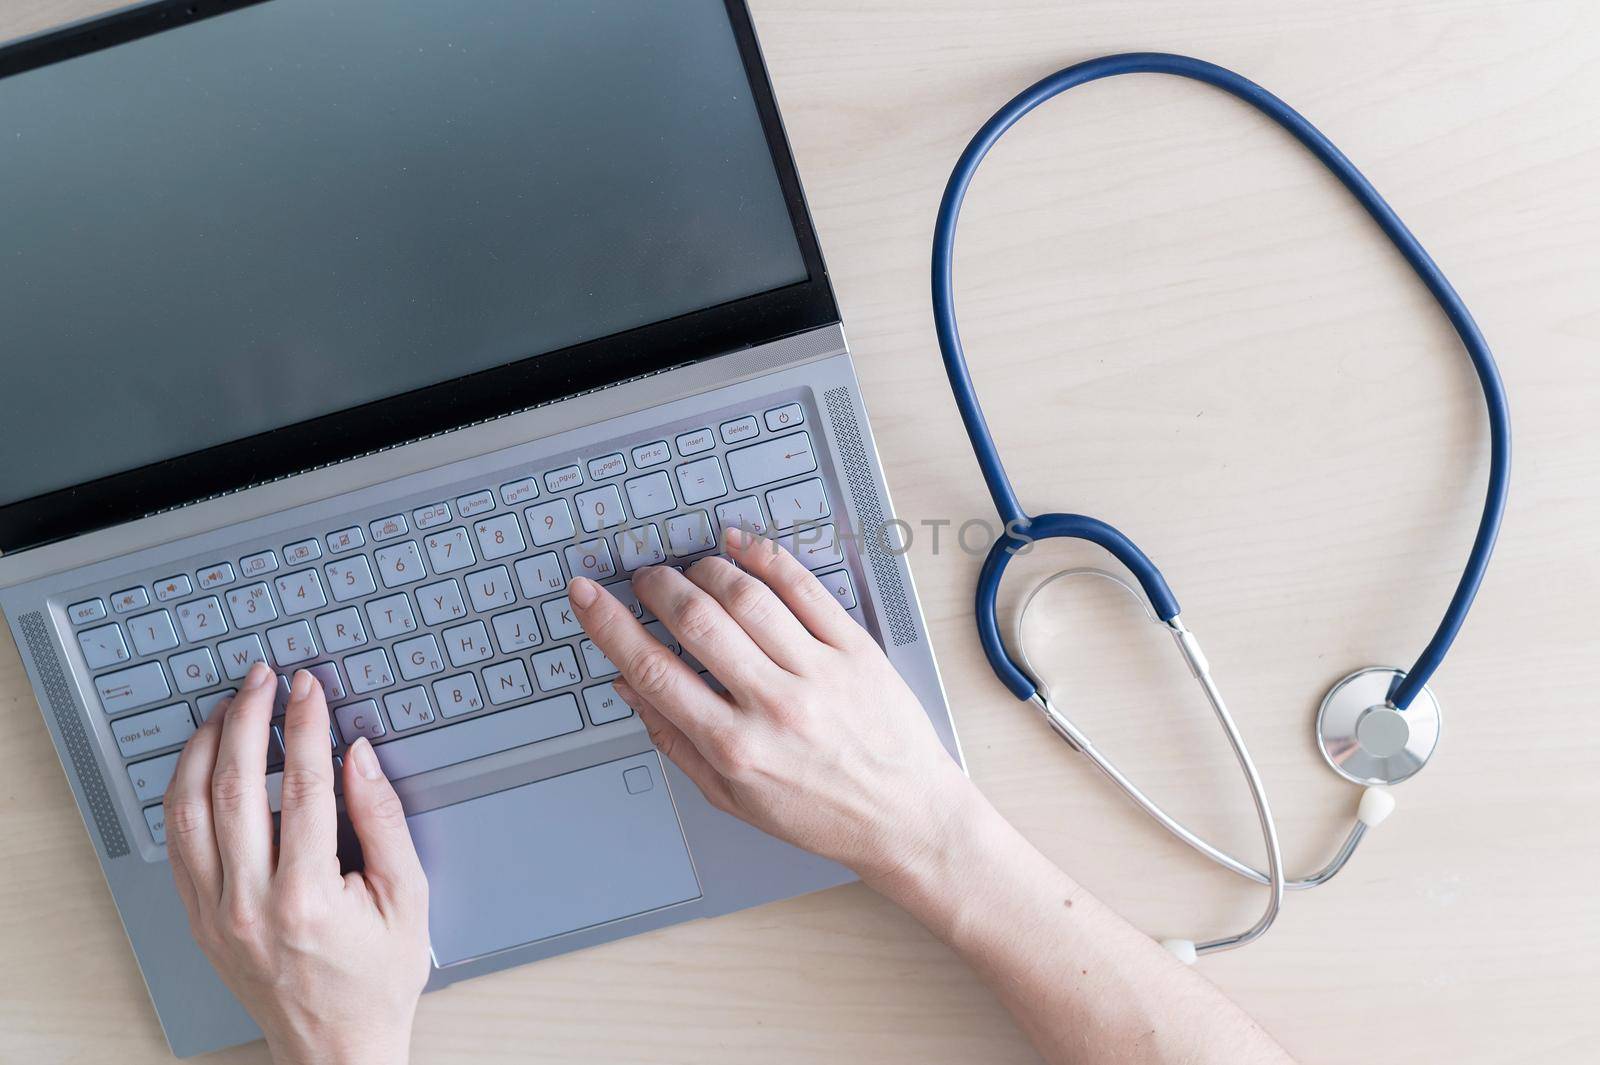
[{"x": 1180, "y": 324}]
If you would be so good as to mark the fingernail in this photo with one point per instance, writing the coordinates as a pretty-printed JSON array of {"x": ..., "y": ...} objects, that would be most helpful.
[
  {"x": 366, "y": 760},
  {"x": 260, "y": 676},
  {"x": 583, "y": 592},
  {"x": 736, "y": 537},
  {"x": 300, "y": 686}
]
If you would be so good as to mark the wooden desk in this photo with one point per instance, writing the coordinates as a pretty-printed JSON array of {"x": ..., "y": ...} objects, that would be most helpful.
[{"x": 1181, "y": 324}]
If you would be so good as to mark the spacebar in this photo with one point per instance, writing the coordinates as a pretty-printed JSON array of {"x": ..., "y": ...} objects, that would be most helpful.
[{"x": 463, "y": 742}]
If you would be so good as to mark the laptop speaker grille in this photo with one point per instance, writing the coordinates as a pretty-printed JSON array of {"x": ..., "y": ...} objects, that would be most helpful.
[
  {"x": 76, "y": 738},
  {"x": 869, "y": 510}
]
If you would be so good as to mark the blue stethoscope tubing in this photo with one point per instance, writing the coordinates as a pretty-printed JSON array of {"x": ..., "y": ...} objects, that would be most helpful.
[{"x": 1022, "y": 528}]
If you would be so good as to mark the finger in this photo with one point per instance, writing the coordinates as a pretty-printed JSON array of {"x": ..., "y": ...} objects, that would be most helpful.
[
  {"x": 308, "y": 830},
  {"x": 707, "y": 632},
  {"x": 797, "y": 586},
  {"x": 185, "y": 885},
  {"x": 392, "y": 868},
  {"x": 647, "y": 667},
  {"x": 239, "y": 785},
  {"x": 670, "y": 741},
  {"x": 759, "y": 612},
  {"x": 186, "y": 809}
]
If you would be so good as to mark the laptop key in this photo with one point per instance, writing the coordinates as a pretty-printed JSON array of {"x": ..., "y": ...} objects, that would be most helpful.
[
  {"x": 350, "y": 578},
  {"x": 202, "y": 619},
  {"x": 555, "y": 668},
  {"x": 251, "y": 605},
  {"x": 359, "y": 719},
  {"x": 500, "y": 536},
  {"x": 400, "y": 564},
  {"x": 604, "y": 705},
  {"x": 457, "y": 695},
  {"x": 369, "y": 671},
  {"x": 103, "y": 646},
  {"x": 127, "y": 689},
  {"x": 591, "y": 559},
  {"x": 600, "y": 508},
  {"x": 549, "y": 522},
  {"x": 238, "y": 655},
  {"x": 450, "y": 550},
  {"x": 540, "y": 575},
  {"x": 490, "y": 589},
  {"x": 700, "y": 481},
  {"x": 441, "y": 602},
  {"x": 516, "y": 631},
  {"x": 689, "y": 534},
  {"x": 89, "y": 610},
  {"x": 595, "y": 661},
  {"x": 408, "y": 708},
  {"x": 637, "y": 548},
  {"x": 292, "y": 644},
  {"x": 560, "y": 619},
  {"x": 194, "y": 670},
  {"x": 152, "y": 632},
  {"x": 150, "y": 779},
  {"x": 481, "y": 736},
  {"x": 153, "y": 729},
  {"x": 300, "y": 592},
  {"x": 466, "y": 644},
  {"x": 506, "y": 682},
  {"x": 391, "y": 616},
  {"x": 650, "y": 495},
  {"x": 758, "y": 464},
  {"x": 419, "y": 657},
  {"x": 341, "y": 630},
  {"x": 130, "y": 599}
]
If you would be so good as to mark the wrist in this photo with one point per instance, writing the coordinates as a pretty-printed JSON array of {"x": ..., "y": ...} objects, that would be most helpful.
[
  {"x": 375, "y": 1044},
  {"x": 927, "y": 840}
]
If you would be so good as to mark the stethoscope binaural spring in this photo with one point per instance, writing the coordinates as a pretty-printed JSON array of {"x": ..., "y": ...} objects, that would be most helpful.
[{"x": 1378, "y": 725}]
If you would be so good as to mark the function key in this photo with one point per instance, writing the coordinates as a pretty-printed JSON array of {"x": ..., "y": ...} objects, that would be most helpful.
[
  {"x": 432, "y": 515},
  {"x": 302, "y": 551},
  {"x": 388, "y": 528},
  {"x": 92, "y": 610},
  {"x": 476, "y": 503},
  {"x": 257, "y": 564},
  {"x": 134, "y": 598},
  {"x": 172, "y": 588},
  {"x": 607, "y": 466},
  {"x": 519, "y": 492},
  {"x": 346, "y": 539},
  {"x": 647, "y": 455},
  {"x": 739, "y": 429},
  {"x": 215, "y": 576},
  {"x": 564, "y": 478},
  {"x": 696, "y": 442},
  {"x": 785, "y": 417}
]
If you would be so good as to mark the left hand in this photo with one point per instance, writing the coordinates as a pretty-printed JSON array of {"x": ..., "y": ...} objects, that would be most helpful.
[{"x": 329, "y": 966}]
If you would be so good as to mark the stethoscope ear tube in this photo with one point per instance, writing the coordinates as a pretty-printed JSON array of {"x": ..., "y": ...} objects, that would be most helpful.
[{"x": 1021, "y": 538}]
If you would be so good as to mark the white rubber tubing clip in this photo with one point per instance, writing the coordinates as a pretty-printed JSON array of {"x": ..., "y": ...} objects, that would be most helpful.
[{"x": 1182, "y": 949}]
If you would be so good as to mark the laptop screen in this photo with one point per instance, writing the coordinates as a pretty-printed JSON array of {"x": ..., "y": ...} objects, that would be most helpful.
[{"x": 305, "y": 206}]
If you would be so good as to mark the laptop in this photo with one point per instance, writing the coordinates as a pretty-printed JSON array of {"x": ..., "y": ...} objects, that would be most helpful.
[{"x": 342, "y": 334}]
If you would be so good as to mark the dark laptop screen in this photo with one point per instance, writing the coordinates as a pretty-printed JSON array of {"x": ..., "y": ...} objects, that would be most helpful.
[{"x": 304, "y": 206}]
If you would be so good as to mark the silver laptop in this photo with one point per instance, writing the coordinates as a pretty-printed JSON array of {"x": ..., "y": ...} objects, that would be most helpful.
[{"x": 343, "y": 334}]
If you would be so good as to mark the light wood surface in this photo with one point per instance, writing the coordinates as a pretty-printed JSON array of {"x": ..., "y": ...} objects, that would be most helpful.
[{"x": 1180, "y": 324}]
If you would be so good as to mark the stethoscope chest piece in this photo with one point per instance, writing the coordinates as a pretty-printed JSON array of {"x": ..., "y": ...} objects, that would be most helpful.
[{"x": 1365, "y": 739}]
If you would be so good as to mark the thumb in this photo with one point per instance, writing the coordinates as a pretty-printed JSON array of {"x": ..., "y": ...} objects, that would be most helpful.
[{"x": 392, "y": 868}]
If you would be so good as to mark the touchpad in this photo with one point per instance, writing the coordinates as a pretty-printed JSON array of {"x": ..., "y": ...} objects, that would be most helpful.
[{"x": 550, "y": 857}]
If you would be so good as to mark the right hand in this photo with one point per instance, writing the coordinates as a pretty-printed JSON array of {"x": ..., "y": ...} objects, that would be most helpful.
[{"x": 818, "y": 741}]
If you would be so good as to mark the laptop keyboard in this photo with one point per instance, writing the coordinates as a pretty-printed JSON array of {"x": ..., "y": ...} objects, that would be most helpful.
[{"x": 443, "y": 633}]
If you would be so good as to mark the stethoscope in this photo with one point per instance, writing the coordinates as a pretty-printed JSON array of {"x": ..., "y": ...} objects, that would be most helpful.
[{"x": 1378, "y": 726}]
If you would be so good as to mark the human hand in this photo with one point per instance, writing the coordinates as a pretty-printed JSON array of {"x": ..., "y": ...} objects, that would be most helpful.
[
  {"x": 818, "y": 741},
  {"x": 329, "y": 966}
]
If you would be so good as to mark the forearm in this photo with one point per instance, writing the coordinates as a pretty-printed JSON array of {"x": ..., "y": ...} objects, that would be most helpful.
[{"x": 1083, "y": 984}]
